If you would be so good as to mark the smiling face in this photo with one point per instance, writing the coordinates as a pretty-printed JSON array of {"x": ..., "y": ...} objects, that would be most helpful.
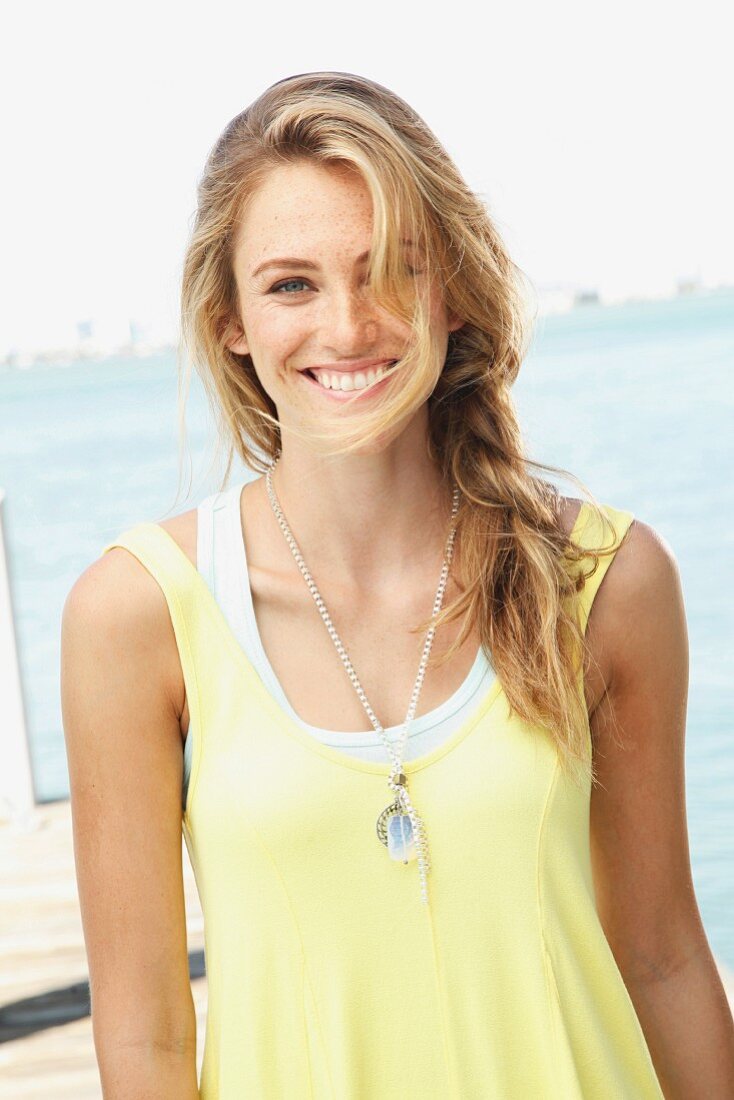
[{"x": 307, "y": 319}]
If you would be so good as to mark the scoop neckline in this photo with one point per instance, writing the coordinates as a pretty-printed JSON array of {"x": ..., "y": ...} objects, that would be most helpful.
[
  {"x": 284, "y": 720},
  {"x": 440, "y": 713}
]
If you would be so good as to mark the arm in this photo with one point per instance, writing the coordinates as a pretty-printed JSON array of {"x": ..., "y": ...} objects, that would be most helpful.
[
  {"x": 639, "y": 839},
  {"x": 123, "y": 744}
]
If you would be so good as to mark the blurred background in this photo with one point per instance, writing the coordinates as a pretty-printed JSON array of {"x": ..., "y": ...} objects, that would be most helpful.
[{"x": 595, "y": 133}]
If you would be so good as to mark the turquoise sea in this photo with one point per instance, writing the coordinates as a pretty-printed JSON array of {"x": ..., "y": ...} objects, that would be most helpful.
[{"x": 634, "y": 399}]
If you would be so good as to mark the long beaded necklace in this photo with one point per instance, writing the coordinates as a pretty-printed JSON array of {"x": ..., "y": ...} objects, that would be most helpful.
[{"x": 399, "y": 827}]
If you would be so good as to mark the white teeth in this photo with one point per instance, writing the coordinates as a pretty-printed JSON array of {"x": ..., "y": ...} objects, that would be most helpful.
[{"x": 343, "y": 380}]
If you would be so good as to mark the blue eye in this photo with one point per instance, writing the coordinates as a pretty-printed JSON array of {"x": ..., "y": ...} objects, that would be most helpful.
[{"x": 287, "y": 282}]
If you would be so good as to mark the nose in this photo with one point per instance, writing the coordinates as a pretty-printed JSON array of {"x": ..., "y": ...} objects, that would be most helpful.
[{"x": 350, "y": 324}]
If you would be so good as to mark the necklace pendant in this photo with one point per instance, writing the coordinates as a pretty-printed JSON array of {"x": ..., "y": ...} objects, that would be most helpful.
[
  {"x": 400, "y": 840},
  {"x": 395, "y": 831}
]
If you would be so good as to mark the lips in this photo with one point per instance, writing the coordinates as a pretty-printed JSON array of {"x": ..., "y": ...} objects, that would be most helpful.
[{"x": 337, "y": 394}]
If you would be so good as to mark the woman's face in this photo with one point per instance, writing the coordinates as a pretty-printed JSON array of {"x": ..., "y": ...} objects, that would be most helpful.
[{"x": 300, "y": 264}]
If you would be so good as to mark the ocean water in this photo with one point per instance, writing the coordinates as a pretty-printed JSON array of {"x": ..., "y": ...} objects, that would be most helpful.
[{"x": 635, "y": 400}]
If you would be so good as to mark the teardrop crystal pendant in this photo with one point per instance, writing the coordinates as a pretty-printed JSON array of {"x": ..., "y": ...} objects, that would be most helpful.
[{"x": 395, "y": 830}]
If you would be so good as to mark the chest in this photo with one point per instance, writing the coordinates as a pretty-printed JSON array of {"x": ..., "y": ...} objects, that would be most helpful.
[
  {"x": 376, "y": 632},
  {"x": 380, "y": 639}
]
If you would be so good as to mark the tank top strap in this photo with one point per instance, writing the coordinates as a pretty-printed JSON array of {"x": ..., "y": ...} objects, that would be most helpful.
[{"x": 590, "y": 532}]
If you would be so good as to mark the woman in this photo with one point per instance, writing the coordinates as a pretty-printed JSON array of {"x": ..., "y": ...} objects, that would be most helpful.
[{"x": 396, "y": 904}]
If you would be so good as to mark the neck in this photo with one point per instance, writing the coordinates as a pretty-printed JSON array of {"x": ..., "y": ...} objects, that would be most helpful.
[{"x": 366, "y": 521}]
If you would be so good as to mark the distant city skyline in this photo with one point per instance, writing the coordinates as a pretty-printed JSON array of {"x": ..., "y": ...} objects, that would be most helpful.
[
  {"x": 101, "y": 341},
  {"x": 593, "y": 134}
]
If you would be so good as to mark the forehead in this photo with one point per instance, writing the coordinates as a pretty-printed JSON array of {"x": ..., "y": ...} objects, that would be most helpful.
[{"x": 306, "y": 204}]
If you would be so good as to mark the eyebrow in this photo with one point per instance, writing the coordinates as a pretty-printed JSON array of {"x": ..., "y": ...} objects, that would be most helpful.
[{"x": 293, "y": 261}]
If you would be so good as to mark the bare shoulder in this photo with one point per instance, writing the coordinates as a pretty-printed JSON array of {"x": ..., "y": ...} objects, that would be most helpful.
[
  {"x": 637, "y": 618},
  {"x": 119, "y": 603},
  {"x": 118, "y": 582},
  {"x": 115, "y": 622},
  {"x": 640, "y": 584},
  {"x": 642, "y": 574},
  {"x": 640, "y": 601},
  {"x": 644, "y": 564},
  {"x": 115, "y": 597}
]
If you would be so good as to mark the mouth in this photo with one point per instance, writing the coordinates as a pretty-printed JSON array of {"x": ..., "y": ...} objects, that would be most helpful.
[{"x": 341, "y": 385}]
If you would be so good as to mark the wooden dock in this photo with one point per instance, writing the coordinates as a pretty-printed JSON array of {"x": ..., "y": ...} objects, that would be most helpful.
[{"x": 42, "y": 948}]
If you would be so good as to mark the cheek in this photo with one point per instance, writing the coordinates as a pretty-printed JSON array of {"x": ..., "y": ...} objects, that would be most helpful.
[{"x": 276, "y": 333}]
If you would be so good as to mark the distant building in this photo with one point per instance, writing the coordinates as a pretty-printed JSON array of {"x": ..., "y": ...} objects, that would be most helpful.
[
  {"x": 586, "y": 298},
  {"x": 689, "y": 285},
  {"x": 553, "y": 299}
]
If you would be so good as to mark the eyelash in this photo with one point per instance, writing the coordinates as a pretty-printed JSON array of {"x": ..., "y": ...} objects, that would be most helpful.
[{"x": 285, "y": 282}]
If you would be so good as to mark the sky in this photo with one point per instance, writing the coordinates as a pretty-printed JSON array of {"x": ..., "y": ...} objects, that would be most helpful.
[{"x": 595, "y": 132}]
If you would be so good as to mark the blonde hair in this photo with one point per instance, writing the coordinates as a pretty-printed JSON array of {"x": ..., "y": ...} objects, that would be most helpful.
[{"x": 516, "y": 570}]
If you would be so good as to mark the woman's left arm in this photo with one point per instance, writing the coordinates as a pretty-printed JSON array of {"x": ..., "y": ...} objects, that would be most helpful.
[{"x": 639, "y": 836}]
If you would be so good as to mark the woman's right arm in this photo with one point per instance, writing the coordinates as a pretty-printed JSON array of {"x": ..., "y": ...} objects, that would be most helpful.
[{"x": 121, "y": 695}]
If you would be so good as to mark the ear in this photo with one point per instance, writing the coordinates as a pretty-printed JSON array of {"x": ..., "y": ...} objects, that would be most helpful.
[
  {"x": 455, "y": 322},
  {"x": 234, "y": 338}
]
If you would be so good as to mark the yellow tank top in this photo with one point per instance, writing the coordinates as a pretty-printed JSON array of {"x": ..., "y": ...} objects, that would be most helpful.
[{"x": 329, "y": 978}]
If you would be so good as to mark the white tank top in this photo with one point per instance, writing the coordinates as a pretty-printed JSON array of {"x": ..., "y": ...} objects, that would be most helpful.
[{"x": 222, "y": 562}]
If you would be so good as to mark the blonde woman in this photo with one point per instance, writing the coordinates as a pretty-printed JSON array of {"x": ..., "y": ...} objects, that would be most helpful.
[{"x": 428, "y": 767}]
